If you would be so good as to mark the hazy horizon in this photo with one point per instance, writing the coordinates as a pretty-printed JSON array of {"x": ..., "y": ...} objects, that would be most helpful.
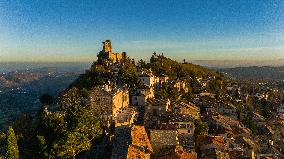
[{"x": 6, "y": 67}]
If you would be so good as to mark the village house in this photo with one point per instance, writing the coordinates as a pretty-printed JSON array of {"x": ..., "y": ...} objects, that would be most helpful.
[
  {"x": 162, "y": 79},
  {"x": 213, "y": 147},
  {"x": 223, "y": 125},
  {"x": 147, "y": 78},
  {"x": 141, "y": 95},
  {"x": 179, "y": 85},
  {"x": 157, "y": 106},
  {"x": 186, "y": 109},
  {"x": 207, "y": 94},
  {"x": 108, "y": 101},
  {"x": 280, "y": 109},
  {"x": 206, "y": 104},
  {"x": 257, "y": 117},
  {"x": 227, "y": 109},
  {"x": 169, "y": 130},
  {"x": 185, "y": 127},
  {"x": 249, "y": 147},
  {"x": 261, "y": 95},
  {"x": 204, "y": 83},
  {"x": 181, "y": 153},
  {"x": 233, "y": 89}
]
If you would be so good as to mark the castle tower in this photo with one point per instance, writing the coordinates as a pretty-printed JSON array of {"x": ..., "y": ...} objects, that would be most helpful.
[
  {"x": 107, "y": 46},
  {"x": 107, "y": 55}
]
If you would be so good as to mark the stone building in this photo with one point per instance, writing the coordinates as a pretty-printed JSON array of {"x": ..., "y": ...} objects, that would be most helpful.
[
  {"x": 162, "y": 79},
  {"x": 280, "y": 109},
  {"x": 147, "y": 78},
  {"x": 179, "y": 85},
  {"x": 141, "y": 95},
  {"x": 108, "y": 101},
  {"x": 227, "y": 109},
  {"x": 107, "y": 55},
  {"x": 186, "y": 109},
  {"x": 184, "y": 125},
  {"x": 213, "y": 147},
  {"x": 157, "y": 106}
]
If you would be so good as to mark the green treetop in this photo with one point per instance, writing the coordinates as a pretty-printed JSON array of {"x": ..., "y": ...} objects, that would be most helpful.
[{"x": 12, "y": 146}]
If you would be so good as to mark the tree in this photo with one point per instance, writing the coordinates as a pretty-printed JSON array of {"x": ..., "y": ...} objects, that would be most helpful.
[
  {"x": 240, "y": 108},
  {"x": 23, "y": 125},
  {"x": 79, "y": 126},
  {"x": 128, "y": 75},
  {"x": 2, "y": 145},
  {"x": 46, "y": 99},
  {"x": 12, "y": 146},
  {"x": 39, "y": 148},
  {"x": 142, "y": 64},
  {"x": 265, "y": 109},
  {"x": 71, "y": 144},
  {"x": 23, "y": 128},
  {"x": 82, "y": 128},
  {"x": 72, "y": 96},
  {"x": 201, "y": 128}
]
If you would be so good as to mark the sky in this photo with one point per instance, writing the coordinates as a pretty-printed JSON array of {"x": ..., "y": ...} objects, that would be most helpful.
[{"x": 64, "y": 30}]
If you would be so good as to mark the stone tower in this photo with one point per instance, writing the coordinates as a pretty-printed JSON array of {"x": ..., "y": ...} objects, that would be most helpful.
[
  {"x": 106, "y": 55},
  {"x": 107, "y": 46}
]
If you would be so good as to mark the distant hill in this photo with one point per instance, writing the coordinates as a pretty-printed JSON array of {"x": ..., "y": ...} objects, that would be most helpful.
[
  {"x": 20, "y": 90},
  {"x": 255, "y": 73}
]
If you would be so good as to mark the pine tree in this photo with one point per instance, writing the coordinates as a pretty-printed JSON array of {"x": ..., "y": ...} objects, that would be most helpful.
[{"x": 12, "y": 146}]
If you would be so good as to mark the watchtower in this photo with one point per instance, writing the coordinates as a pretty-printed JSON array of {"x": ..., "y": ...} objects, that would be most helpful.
[{"x": 107, "y": 46}]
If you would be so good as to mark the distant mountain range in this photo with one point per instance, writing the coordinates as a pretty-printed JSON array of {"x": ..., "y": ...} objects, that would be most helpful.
[
  {"x": 6, "y": 67},
  {"x": 20, "y": 90},
  {"x": 255, "y": 73},
  {"x": 238, "y": 63}
]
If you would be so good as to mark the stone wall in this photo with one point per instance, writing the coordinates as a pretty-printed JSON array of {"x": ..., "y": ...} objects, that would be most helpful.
[{"x": 131, "y": 143}]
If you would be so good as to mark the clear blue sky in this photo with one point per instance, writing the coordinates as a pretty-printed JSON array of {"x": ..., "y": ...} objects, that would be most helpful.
[{"x": 65, "y": 30}]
